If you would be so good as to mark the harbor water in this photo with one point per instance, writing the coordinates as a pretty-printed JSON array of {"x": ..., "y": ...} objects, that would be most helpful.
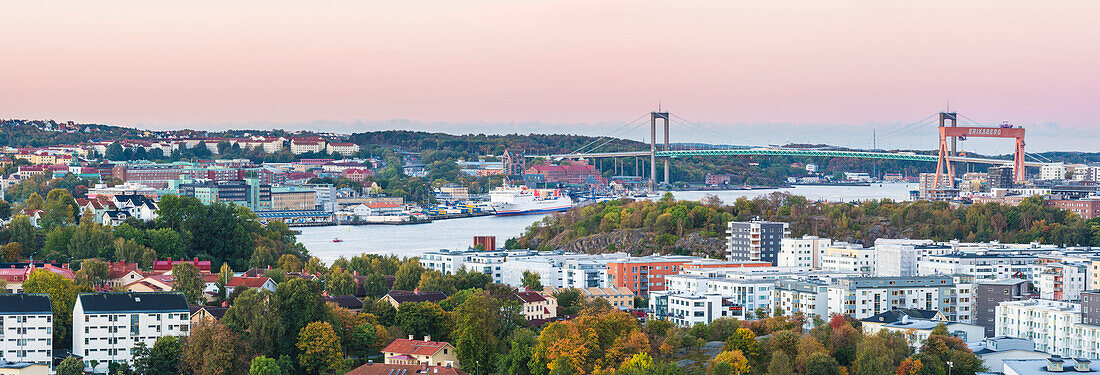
[{"x": 413, "y": 240}]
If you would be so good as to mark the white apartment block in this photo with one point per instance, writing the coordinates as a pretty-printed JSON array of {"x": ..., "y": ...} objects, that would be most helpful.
[
  {"x": 1055, "y": 327},
  {"x": 896, "y": 260},
  {"x": 343, "y": 148},
  {"x": 1052, "y": 171},
  {"x": 810, "y": 297},
  {"x": 1061, "y": 281},
  {"x": 26, "y": 328},
  {"x": 864, "y": 297},
  {"x": 687, "y": 309},
  {"x": 749, "y": 294},
  {"x": 988, "y": 266},
  {"x": 301, "y": 146},
  {"x": 106, "y": 326},
  {"x": 849, "y": 258},
  {"x": 802, "y": 252}
]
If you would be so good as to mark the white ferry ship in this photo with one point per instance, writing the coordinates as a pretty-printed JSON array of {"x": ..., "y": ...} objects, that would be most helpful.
[{"x": 511, "y": 200}]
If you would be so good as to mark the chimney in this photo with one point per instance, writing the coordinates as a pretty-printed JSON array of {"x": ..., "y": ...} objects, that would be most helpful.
[
  {"x": 411, "y": 337},
  {"x": 225, "y": 303},
  {"x": 427, "y": 338},
  {"x": 356, "y": 273}
]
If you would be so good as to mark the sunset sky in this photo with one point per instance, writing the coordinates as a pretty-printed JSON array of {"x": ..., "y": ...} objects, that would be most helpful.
[{"x": 758, "y": 71}]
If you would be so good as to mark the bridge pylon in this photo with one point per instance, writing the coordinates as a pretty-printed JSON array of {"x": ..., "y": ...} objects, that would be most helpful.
[{"x": 653, "y": 117}]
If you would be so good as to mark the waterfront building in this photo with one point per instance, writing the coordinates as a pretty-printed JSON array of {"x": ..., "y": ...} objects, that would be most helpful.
[
  {"x": 756, "y": 240},
  {"x": 106, "y": 326},
  {"x": 286, "y": 198},
  {"x": 26, "y": 329}
]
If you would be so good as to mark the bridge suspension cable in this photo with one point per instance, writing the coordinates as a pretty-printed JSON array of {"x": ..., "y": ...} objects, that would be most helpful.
[{"x": 613, "y": 132}]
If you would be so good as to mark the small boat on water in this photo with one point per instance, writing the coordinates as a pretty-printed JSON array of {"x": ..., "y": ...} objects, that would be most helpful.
[{"x": 337, "y": 240}]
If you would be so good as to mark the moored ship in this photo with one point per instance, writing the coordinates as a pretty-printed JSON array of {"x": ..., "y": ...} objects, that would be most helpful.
[{"x": 511, "y": 200}]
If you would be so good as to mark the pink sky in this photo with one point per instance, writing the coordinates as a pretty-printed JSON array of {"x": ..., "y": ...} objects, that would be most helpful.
[{"x": 215, "y": 63}]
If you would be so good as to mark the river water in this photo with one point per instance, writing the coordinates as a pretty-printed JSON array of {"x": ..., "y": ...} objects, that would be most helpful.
[{"x": 412, "y": 240}]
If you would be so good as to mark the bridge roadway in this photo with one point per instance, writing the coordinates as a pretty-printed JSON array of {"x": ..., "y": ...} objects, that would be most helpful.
[{"x": 790, "y": 152}]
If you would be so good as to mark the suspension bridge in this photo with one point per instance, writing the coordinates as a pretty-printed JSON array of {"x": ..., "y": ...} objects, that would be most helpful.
[{"x": 949, "y": 134}]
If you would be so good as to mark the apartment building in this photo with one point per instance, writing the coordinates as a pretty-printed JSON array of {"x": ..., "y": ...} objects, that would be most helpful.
[
  {"x": 989, "y": 294},
  {"x": 849, "y": 258},
  {"x": 756, "y": 240},
  {"x": 809, "y": 297},
  {"x": 643, "y": 275},
  {"x": 863, "y": 297},
  {"x": 1055, "y": 327},
  {"x": 984, "y": 266},
  {"x": 802, "y": 252},
  {"x": 106, "y": 326},
  {"x": 26, "y": 328},
  {"x": 743, "y": 294},
  {"x": 688, "y": 309},
  {"x": 1061, "y": 281}
]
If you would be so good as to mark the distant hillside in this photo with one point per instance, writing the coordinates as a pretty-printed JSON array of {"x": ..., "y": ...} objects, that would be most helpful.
[{"x": 684, "y": 227}]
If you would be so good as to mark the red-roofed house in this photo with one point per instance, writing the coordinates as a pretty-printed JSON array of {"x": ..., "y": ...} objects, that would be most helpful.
[
  {"x": 537, "y": 305},
  {"x": 377, "y": 209},
  {"x": 358, "y": 174},
  {"x": 307, "y": 144},
  {"x": 122, "y": 273},
  {"x": 390, "y": 369},
  {"x": 251, "y": 283},
  {"x": 344, "y": 148},
  {"x": 16, "y": 275},
  {"x": 162, "y": 266},
  {"x": 420, "y": 352},
  {"x": 155, "y": 283}
]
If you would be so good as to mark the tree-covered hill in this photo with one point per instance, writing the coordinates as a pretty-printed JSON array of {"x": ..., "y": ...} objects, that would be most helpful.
[{"x": 686, "y": 227}]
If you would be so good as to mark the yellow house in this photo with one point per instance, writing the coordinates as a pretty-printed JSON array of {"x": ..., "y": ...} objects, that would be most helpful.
[{"x": 420, "y": 352}]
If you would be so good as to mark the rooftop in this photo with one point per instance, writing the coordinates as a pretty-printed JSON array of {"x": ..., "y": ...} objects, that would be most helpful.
[
  {"x": 133, "y": 302},
  {"x": 25, "y": 304}
]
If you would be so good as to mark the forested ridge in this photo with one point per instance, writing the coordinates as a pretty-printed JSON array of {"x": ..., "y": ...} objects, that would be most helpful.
[{"x": 671, "y": 226}]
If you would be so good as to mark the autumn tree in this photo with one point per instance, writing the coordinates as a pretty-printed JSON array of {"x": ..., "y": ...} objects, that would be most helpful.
[
  {"x": 11, "y": 252},
  {"x": 319, "y": 348},
  {"x": 214, "y": 349},
  {"x": 729, "y": 362},
  {"x": 744, "y": 341},
  {"x": 910, "y": 366},
  {"x": 290, "y": 263}
]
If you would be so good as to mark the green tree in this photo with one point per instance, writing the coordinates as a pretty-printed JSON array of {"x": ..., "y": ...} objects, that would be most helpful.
[
  {"x": 254, "y": 316},
  {"x": 521, "y": 344},
  {"x": 11, "y": 252},
  {"x": 883, "y": 351},
  {"x": 70, "y": 366},
  {"x": 20, "y": 230},
  {"x": 319, "y": 348},
  {"x": 62, "y": 297},
  {"x": 132, "y": 251},
  {"x": 188, "y": 281},
  {"x": 424, "y": 318},
  {"x": 728, "y": 362},
  {"x": 476, "y": 329},
  {"x": 264, "y": 366},
  {"x": 340, "y": 282},
  {"x": 408, "y": 276},
  {"x": 298, "y": 303},
  {"x": 532, "y": 280},
  {"x": 290, "y": 263},
  {"x": 781, "y": 364},
  {"x": 163, "y": 358},
  {"x": 822, "y": 364}
]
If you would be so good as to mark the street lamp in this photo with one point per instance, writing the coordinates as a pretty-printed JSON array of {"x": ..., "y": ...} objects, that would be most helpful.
[{"x": 950, "y": 365}]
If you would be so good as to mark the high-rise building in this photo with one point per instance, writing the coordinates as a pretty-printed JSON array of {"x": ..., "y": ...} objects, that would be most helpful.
[
  {"x": 513, "y": 163},
  {"x": 1001, "y": 178},
  {"x": 756, "y": 240},
  {"x": 802, "y": 252},
  {"x": 988, "y": 294}
]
